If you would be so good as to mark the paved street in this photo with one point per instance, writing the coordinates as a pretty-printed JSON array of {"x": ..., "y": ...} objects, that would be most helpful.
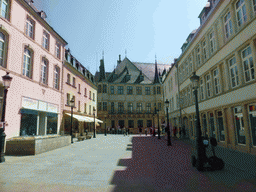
[{"x": 117, "y": 163}]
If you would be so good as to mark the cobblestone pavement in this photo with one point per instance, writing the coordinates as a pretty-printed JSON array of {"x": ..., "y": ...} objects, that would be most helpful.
[{"x": 117, "y": 163}]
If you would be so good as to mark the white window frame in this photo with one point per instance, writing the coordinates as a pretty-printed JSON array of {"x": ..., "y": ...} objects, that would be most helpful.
[
  {"x": 254, "y": 5},
  {"x": 216, "y": 81},
  {"x": 56, "y": 77},
  {"x": 44, "y": 71},
  {"x": 27, "y": 63},
  {"x": 228, "y": 25},
  {"x": 30, "y": 27},
  {"x": 2, "y": 49},
  {"x": 198, "y": 56},
  {"x": 202, "y": 94},
  {"x": 46, "y": 40},
  {"x": 4, "y": 6},
  {"x": 204, "y": 47},
  {"x": 248, "y": 65},
  {"x": 212, "y": 42},
  {"x": 241, "y": 15},
  {"x": 57, "y": 49},
  {"x": 233, "y": 70},
  {"x": 208, "y": 85}
]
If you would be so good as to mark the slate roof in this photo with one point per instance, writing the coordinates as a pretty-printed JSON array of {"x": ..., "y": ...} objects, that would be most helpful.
[{"x": 134, "y": 72}]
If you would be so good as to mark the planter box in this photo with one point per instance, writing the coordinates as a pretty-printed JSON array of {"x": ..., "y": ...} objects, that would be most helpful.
[{"x": 35, "y": 144}]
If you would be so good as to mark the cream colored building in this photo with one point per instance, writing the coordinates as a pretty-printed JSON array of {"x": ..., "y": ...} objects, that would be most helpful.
[
  {"x": 128, "y": 96},
  {"x": 222, "y": 52}
]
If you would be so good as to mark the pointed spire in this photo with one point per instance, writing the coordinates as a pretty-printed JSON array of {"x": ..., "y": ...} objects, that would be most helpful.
[
  {"x": 156, "y": 79},
  {"x": 125, "y": 53},
  {"x": 102, "y": 69}
]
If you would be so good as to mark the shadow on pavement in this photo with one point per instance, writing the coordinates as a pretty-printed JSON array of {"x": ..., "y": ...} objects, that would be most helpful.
[{"x": 156, "y": 167}]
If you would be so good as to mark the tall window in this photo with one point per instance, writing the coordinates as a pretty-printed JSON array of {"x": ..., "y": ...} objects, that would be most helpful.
[
  {"x": 112, "y": 90},
  {"x": 138, "y": 90},
  {"x": 241, "y": 12},
  {"x": 248, "y": 64},
  {"x": 90, "y": 109},
  {"x": 68, "y": 78},
  {"x": 93, "y": 96},
  {"x": 46, "y": 38},
  {"x": 56, "y": 77},
  {"x": 99, "y": 106},
  {"x": 130, "y": 107},
  {"x": 204, "y": 50},
  {"x": 79, "y": 88},
  {"x": 57, "y": 50},
  {"x": 202, "y": 89},
  {"x": 2, "y": 49},
  {"x": 147, "y": 90},
  {"x": 158, "y": 90},
  {"x": 78, "y": 106},
  {"x": 254, "y": 5},
  {"x": 233, "y": 72},
  {"x": 198, "y": 57},
  {"x": 27, "y": 63},
  {"x": 212, "y": 42},
  {"x": 68, "y": 98},
  {"x": 239, "y": 123},
  {"x": 216, "y": 80},
  {"x": 139, "y": 107},
  {"x": 159, "y": 106},
  {"x": 30, "y": 27},
  {"x": 148, "y": 107},
  {"x": 4, "y": 8},
  {"x": 104, "y": 88},
  {"x": 105, "y": 106},
  {"x": 154, "y": 90},
  {"x": 90, "y": 95},
  {"x": 112, "y": 107},
  {"x": 208, "y": 85},
  {"x": 85, "y": 108},
  {"x": 85, "y": 92},
  {"x": 120, "y": 90},
  {"x": 228, "y": 25},
  {"x": 99, "y": 88},
  {"x": 120, "y": 107},
  {"x": 129, "y": 90},
  {"x": 74, "y": 81}
]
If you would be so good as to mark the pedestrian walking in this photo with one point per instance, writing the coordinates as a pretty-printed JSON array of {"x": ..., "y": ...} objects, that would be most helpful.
[
  {"x": 124, "y": 130},
  {"x": 175, "y": 131},
  {"x": 184, "y": 131},
  {"x": 180, "y": 131},
  {"x": 146, "y": 131},
  {"x": 140, "y": 130}
]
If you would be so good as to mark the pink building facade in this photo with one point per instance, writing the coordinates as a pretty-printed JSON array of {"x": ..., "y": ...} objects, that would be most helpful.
[
  {"x": 79, "y": 83},
  {"x": 33, "y": 53}
]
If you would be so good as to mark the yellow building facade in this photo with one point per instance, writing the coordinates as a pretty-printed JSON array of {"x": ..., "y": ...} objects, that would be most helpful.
[
  {"x": 128, "y": 96},
  {"x": 222, "y": 52}
]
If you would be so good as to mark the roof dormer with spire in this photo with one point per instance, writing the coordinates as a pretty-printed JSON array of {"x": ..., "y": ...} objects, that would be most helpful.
[{"x": 156, "y": 78}]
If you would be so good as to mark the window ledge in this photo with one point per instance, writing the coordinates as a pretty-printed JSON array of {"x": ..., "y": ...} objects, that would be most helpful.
[{"x": 79, "y": 93}]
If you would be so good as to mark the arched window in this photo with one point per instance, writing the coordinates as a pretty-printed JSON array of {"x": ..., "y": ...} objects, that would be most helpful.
[
  {"x": 27, "y": 63},
  {"x": 44, "y": 71},
  {"x": 56, "y": 77}
]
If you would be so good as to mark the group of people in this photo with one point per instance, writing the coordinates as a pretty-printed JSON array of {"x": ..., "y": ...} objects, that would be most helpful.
[{"x": 175, "y": 130}]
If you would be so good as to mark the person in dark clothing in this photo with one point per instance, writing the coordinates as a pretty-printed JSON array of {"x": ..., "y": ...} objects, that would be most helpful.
[{"x": 175, "y": 131}]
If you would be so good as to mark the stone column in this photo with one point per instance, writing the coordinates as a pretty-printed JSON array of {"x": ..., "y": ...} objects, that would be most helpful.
[
  {"x": 37, "y": 125},
  {"x": 45, "y": 125}
]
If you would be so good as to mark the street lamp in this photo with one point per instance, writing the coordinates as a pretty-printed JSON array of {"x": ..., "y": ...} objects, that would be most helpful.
[
  {"x": 72, "y": 104},
  {"x": 105, "y": 126},
  {"x": 7, "y": 82},
  {"x": 199, "y": 140},
  {"x": 94, "y": 134},
  {"x": 168, "y": 127},
  {"x": 154, "y": 113},
  {"x": 158, "y": 130}
]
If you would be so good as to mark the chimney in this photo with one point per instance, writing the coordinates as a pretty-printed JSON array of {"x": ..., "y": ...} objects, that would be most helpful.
[{"x": 119, "y": 61}]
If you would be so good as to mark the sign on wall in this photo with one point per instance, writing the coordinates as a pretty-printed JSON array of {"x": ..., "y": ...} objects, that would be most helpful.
[{"x": 34, "y": 104}]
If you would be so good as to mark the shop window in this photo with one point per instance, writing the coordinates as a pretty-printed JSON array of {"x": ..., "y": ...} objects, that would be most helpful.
[
  {"x": 149, "y": 123},
  {"x": 28, "y": 124},
  {"x": 220, "y": 126},
  {"x": 252, "y": 118},
  {"x": 204, "y": 127},
  {"x": 131, "y": 123},
  {"x": 140, "y": 123},
  {"x": 212, "y": 126},
  {"x": 239, "y": 123},
  {"x": 52, "y": 122}
]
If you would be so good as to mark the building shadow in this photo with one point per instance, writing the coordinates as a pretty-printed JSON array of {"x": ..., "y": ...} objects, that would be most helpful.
[{"x": 156, "y": 167}]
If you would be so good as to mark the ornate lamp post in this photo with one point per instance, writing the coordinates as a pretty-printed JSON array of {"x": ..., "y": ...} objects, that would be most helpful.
[
  {"x": 199, "y": 140},
  {"x": 72, "y": 104},
  {"x": 154, "y": 113},
  {"x": 105, "y": 126},
  {"x": 94, "y": 129},
  {"x": 168, "y": 127},
  {"x": 7, "y": 82}
]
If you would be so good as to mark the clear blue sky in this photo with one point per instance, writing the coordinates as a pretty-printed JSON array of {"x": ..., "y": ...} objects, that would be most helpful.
[{"x": 142, "y": 27}]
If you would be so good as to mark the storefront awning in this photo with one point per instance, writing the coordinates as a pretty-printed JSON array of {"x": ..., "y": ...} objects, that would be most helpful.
[{"x": 85, "y": 119}]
